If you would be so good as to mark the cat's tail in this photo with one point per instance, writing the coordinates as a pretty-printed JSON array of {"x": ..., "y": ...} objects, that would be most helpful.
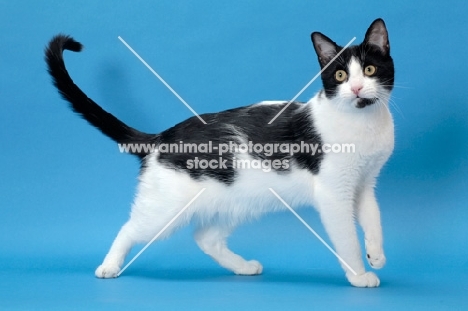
[{"x": 84, "y": 106}]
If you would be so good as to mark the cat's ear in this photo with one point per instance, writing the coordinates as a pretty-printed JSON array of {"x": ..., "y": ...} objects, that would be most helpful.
[
  {"x": 377, "y": 36},
  {"x": 325, "y": 48}
]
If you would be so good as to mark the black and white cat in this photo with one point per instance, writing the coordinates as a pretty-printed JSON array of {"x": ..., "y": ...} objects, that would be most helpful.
[{"x": 351, "y": 109}]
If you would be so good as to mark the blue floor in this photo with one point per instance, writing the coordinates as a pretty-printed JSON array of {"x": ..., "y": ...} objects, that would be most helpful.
[{"x": 213, "y": 290}]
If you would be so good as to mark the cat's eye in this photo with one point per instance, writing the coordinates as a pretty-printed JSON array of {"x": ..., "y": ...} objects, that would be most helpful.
[
  {"x": 340, "y": 75},
  {"x": 370, "y": 70}
]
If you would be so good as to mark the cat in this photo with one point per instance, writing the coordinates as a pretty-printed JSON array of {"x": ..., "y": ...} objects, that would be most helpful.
[{"x": 352, "y": 108}]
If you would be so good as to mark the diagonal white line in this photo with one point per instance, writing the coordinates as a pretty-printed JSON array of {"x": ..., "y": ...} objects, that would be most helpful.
[
  {"x": 313, "y": 231},
  {"x": 161, "y": 79},
  {"x": 311, "y": 81},
  {"x": 161, "y": 231}
]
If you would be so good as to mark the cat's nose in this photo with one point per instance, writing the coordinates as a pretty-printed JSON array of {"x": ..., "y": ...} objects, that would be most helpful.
[{"x": 356, "y": 89}]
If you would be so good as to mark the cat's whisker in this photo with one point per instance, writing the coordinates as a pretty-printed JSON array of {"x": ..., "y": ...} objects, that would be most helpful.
[
  {"x": 384, "y": 107},
  {"x": 393, "y": 84},
  {"x": 342, "y": 104},
  {"x": 392, "y": 103},
  {"x": 397, "y": 109},
  {"x": 397, "y": 86}
]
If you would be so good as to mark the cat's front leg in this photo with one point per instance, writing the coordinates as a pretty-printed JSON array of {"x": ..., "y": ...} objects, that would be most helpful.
[
  {"x": 336, "y": 211},
  {"x": 368, "y": 215}
]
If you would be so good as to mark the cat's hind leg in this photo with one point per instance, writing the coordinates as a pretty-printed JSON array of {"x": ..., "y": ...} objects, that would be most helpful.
[
  {"x": 141, "y": 228},
  {"x": 114, "y": 259},
  {"x": 151, "y": 213},
  {"x": 212, "y": 241},
  {"x": 162, "y": 193}
]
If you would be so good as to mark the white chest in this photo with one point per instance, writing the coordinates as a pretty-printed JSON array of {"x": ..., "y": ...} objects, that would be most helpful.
[{"x": 368, "y": 135}]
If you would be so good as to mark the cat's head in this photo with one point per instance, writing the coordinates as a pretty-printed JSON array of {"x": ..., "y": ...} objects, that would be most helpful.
[{"x": 362, "y": 74}]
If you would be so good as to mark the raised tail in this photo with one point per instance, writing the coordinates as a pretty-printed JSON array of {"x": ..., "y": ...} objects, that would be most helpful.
[{"x": 81, "y": 104}]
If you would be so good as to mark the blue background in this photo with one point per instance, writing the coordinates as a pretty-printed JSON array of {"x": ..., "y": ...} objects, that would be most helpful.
[{"x": 65, "y": 189}]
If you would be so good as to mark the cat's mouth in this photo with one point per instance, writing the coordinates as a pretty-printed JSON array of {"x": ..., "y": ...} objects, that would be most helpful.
[{"x": 363, "y": 102}]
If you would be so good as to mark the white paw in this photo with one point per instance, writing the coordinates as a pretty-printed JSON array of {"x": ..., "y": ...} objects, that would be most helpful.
[
  {"x": 376, "y": 261},
  {"x": 251, "y": 267},
  {"x": 368, "y": 279},
  {"x": 107, "y": 271}
]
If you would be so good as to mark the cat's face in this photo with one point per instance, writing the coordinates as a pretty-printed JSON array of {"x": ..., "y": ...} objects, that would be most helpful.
[{"x": 362, "y": 74}]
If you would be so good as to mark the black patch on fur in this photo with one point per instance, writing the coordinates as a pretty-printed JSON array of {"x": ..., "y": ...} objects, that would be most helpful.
[
  {"x": 363, "y": 102},
  {"x": 294, "y": 125}
]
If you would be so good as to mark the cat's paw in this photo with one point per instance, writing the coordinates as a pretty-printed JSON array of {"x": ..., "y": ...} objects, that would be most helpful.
[
  {"x": 251, "y": 267},
  {"x": 107, "y": 271},
  {"x": 376, "y": 261},
  {"x": 368, "y": 279}
]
